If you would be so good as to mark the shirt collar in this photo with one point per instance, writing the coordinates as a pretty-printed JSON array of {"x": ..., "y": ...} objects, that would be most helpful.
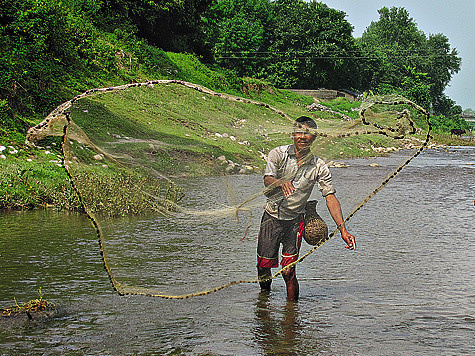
[{"x": 291, "y": 152}]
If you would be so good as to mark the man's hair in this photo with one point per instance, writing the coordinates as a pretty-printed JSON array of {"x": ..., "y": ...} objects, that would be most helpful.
[{"x": 305, "y": 120}]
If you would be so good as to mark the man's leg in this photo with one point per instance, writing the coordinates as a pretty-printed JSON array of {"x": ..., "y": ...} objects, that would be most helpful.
[
  {"x": 263, "y": 273},
  {"x": 290, "y": 278},
  {"x": 267, "y": 249},
  {"x": 290, "y": 252}
]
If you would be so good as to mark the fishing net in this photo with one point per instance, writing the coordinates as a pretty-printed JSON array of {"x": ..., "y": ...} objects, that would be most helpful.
[{"x": 170, "y": 174}]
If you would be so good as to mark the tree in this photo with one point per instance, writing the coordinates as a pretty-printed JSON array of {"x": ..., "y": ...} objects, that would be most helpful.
[
  {"x": 403, "y": 59},
  {"x": 311, "y": 46},
  {"x": 172, "y": 25},
  {"x": 41, "y": 44},
  {"x": 442, "y": 63},
  {"x": 237, "y": 31},
  {"x": 395, "y": 41}
]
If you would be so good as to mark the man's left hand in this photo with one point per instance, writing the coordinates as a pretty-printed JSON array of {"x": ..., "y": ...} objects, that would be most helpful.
[{"x": 349, "y": 239}]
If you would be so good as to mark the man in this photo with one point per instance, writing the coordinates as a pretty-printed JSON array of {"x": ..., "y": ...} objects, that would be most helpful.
[{"x": 290, "y": 175}]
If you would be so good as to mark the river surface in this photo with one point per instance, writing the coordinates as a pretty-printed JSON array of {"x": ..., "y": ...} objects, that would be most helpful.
[{"x": 409, "y": 289}]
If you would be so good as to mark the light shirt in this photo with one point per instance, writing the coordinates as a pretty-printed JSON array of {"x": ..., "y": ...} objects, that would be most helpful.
[{"x": 282, "y": 164}]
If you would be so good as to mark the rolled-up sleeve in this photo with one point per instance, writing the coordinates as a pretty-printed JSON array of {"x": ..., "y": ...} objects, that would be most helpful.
[
  {"x": 273, "y": 158},
  {"x": 325, "y": 179}
]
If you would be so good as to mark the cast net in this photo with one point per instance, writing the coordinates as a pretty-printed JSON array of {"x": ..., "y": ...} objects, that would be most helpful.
[{"x": 170, "y": 174}]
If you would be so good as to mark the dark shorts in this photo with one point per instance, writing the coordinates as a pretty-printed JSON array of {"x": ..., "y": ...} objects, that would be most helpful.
[{"x": 274, "y": 232}]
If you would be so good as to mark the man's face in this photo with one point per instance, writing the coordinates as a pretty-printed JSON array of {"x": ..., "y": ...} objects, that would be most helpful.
[{"x": 303, "y": 139}]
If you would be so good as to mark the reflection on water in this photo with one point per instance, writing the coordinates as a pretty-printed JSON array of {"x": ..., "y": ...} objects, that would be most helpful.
[
  {"x": 277, "y": 331},
  {"x": 407, "y": 290}
]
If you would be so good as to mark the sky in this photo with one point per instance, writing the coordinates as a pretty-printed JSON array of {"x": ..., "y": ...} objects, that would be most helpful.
[{"x": 453, "y": 18}]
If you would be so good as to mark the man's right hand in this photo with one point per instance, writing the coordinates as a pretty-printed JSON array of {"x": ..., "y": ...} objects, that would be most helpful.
[{"x": 287, "y": 188}]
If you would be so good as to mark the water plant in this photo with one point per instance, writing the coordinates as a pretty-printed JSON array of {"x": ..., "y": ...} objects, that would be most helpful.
[{"x": 32, "y": 306}]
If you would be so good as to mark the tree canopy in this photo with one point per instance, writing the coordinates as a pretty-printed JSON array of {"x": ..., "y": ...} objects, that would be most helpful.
[
  {"x": 289, "y": 43},
  {"x": 405, "y": 60}
]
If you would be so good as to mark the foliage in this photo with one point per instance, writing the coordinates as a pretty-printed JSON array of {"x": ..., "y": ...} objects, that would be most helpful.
[
  {"x": 38, "y": 182},
  {"x": 190, "y": 69},
  {"x": 444, "y": 124},
  {"x": 112, "y": 193},
  {"x": 309, "y": 46},
  {"x": 172, "y": 25},
  {"x": 40, "y": 42},
  {"x": 291, "y": 43},
  {"x": 11, "y": 126},
  {"x": 52, "y": 50},
  {"x": 237, "y": 32},
  {"x": 404, "y": 60}
]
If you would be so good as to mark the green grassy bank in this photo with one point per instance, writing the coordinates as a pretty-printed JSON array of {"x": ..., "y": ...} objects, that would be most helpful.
[{"x": 186, "y": 131}]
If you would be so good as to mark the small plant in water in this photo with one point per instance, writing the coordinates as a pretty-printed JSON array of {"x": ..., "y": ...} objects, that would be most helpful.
[{"x": 32, "y": 306}]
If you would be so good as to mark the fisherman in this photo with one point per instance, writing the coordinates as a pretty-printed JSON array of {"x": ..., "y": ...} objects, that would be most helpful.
[{"x": 291, "y": 173}]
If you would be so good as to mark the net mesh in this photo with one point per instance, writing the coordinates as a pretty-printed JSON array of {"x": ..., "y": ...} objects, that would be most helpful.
[{"x": 139, "y": 150}]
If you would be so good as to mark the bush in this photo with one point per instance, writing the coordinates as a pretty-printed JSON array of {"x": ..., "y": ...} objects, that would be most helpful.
[
  {"x": 41, "y": 45},
  {"x": 441, "y": 123},
  {"x": 11, "y": 127}
]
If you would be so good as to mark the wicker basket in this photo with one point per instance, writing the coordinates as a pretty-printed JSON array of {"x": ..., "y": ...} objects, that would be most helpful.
[{"x": 316, "y": 230}]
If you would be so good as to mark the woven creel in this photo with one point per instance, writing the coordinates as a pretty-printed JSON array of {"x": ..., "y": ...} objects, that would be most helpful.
[{"x": 316, "y": 230}]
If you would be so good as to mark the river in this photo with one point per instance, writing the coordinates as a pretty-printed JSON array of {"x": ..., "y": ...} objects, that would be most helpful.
[{"x": 408, "y": 289}]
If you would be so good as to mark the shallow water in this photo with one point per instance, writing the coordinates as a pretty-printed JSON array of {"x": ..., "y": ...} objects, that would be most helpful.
[{"x": 409, "y": 289}]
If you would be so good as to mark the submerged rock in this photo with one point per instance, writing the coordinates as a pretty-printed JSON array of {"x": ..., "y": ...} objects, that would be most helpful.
[{"x": 333, "y": 164}]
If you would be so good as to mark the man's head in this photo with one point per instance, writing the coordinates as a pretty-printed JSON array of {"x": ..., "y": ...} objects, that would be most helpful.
[
  {"x": 307, "y": 121},
  {"x": 303, "y": 134}
]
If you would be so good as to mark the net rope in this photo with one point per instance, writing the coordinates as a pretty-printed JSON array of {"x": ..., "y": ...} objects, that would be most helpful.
[{"x": 60, "y": 123}]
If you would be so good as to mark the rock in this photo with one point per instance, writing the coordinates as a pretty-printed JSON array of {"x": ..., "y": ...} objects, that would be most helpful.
[
  {"x": 333, "y": 164},
  {"x": 246, "y": 169},
  {"x": 374, "y": 165},
  {"x": 99, "y": 156},
  {"x": 231, "y": 168},
  {"x": 222, "y": 160}
]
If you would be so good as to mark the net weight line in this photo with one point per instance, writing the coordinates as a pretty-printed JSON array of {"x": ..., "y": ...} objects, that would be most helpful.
[{"x": 121, "y": 289}]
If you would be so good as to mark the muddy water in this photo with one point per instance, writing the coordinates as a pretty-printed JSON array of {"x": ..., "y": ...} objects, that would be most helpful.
[{"x": 409, "y": 289}]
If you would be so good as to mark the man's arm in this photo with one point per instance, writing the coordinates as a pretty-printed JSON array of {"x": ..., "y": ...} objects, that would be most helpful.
[
  {"x": 334, "y": 207},
  {"x": 287, "y": 187}
]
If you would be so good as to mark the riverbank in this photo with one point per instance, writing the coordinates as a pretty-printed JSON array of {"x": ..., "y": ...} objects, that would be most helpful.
[{"x": 220, "y": 135}]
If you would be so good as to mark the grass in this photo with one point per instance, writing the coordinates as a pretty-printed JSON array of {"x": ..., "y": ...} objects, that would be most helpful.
[
  {"x": 180, "y": 122},
  {"x": 171, "y": 130},
  {"x": 120, "y": 192},
  {"x": 35, "y": 180}
]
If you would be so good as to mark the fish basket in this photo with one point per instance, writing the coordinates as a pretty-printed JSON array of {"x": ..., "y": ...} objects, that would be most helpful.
[{"x": 316, "y": 230}]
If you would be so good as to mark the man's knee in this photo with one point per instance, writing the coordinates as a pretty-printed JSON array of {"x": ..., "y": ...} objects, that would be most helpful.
[
  {"x": 288, "y": 274},
  {"x": 264, "y": 273}
]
